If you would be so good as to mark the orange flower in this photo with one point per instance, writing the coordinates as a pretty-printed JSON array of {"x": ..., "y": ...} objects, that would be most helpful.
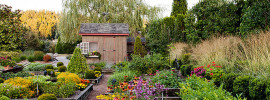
[
  {"x": 151, "y": 86},
  {"x": 130, "y": 87},
  {"x": 125, "y": 76},
  {"x": 211, "y": 74},
  {"x": 133, "y": 97}
]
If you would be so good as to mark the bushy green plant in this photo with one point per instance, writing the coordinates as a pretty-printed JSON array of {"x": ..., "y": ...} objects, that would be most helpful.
[
  {"x": 62, "y": 69},
  {"x": 121, "y": 66},
  {"x": 58, "y": 47},
  {"x": 49, "y": 87},
  {"x": 89, "y": 74},
  {"x": 49, "y": 66},
  {"x": 17, "y": 59},
  {"x": 100, "y": 64},
  {"x": 35, "y": 67},
  {"x": 9, "y": 54},
  {"x": 38, "y": 55},
  {"x": 60, "y": 64},
  {"x": 77, "y": 62},
  {"x": 167, "y": 78},
  {"x": 12, "y": 75},
  {"x": 98, "y": 69},
  {"x": 139, "y": 48},
  {"x": 67, "y": 90},
  {"x": 240, "y": 85},
  {"x": 4, "y": 98},
  {"x": 227, "y": 80},
  {"x": 30, "y": 58},
  {"x": 1, "y": 80},
  {"x": 186, "y": 69},
  {"x": 47, "y": 96},
  {"x": 15, "y": 92},
  {"x": 23, "y": 57},
  {"x": 257, "y": 88},
  {"x": 200, "y": 89},
  {"x": 267, "y": 90},
  {"x": 50, "y": 72},
  {"x": 119, "y": 76}
]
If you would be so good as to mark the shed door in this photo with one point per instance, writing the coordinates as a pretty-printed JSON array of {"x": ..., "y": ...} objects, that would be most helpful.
[{"x": 109, "y": 50}]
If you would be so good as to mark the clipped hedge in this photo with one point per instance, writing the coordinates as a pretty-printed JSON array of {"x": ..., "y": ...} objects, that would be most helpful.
[{"x": 257, "y": 88}]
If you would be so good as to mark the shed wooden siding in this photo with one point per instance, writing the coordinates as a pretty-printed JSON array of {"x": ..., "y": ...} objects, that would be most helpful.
[{"x": 120, "y": 46}]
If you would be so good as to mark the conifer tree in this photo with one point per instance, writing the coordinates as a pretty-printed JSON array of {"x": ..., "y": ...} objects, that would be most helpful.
[
  {"x": 138, "y": 47},
  {"x": 179, "y": 7},
  {"x": 59, "y": 46},
  {"x": 77, "y": 62}
]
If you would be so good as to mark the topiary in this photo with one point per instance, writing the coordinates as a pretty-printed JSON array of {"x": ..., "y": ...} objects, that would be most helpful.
[
  {"x": 50, "y": 72},
  {"x": 47, "y": 58},
  {"x": 47, "y": 96},
  {"x": 30, "y": 58},
  {"x": 38, "y": 55},
  {"x": 62, "y": 69},
  {"x": 77, "y": 62},
  {"x": 240, "y": 85},
  {"x": 23, "y": 57},
  {"x": 2, "y": 80},
  {"x": 60, "y": 64},
  {"x": 257, "y": 88},
  {"x": 49, "y": 67},
  {"x": 98, "y": 69},
  {"x": 89, "y": 74},
  {"x": 4, "y": 98}
]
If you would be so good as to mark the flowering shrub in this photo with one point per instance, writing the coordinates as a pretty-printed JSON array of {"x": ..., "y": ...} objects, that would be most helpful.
[
  {"x": 4, "y": 61},
  {"x": 19, "y": 81},
  {"x": 66, "y": 77},
  {"x": 81, "y": 86},
  {"x": 97, "y": 73},
  {"x": 167, "y": 78},
  {"x": 199, "y": 72},
  {"x": 13, "y": 91}
]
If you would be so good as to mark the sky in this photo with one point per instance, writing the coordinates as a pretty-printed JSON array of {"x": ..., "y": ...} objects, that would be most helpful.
[{"x": 56, "y": 5}]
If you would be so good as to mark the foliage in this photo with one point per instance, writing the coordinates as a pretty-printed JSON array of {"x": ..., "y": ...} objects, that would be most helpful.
[
  {"x": 66, "y": 77},
  {"x": 12, "y": 31},
  {"x": 97, "y": 73},
  {"x": 49, "y": 66},
  {"x": 49, "y": 87},
  {"x": 38, "y": 55},
  {"x": 9, "y": 54},
  {"x": 4, "y": 61},
  {"x": 200, "y": 88},
  {"x": 100, "y": 64},
  {"x": 23, "y": 57},
  {"x": 227, "y": 80},
  {"x": 89, "y": 74},
  {"x": 139, "y": 48},
  {"x": 19, "y": 81},
  {"x": 240, "y": 85},
  {"x": 257, "y": 88},
  {"x": 98, "y": 69},
  {"x": 35, "y": 67},
  {"x": 167, "y": 78},
  {"x": 59, "y": 47},
  {"x": 40, "y": 22},
  {"x": 1, "y": 80},
  {"x": 60, "y": 64},
  {"x": 186, "y": 69},
  {"x": 47, "y": 58},
  {"x": 33, "y": 42},
  {"x": 62, "y": 68},
  {"x": 106, "y": 11},
  {"x": 17, "y": 59},
  {"x": 67, "y": 90},
  {"x": 13, "y": 75},
  {"x": 148, "y": 64},
  {"x": 69, "y": 57},
  {"x": 119, "y": 76},
  {"x": 77, "y": 62},
  {"x": 47, "y": 96},
  {"x": 179, "y": 7},
  {"x": 95, "y": 53},
  {"x": 15, "y": 92},
  {"x": 199, "y": 72},
  {"x": 4, "y": 98},
  {"x": 31, "y": 58},
  {"x": 267, "y": 90}
]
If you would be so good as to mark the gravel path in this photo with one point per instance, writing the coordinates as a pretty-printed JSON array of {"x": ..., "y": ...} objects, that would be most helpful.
[{"x": 101, "y": 88}]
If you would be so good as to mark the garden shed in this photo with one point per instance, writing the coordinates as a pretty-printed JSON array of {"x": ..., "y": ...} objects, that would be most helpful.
[{"x": 108, "y": 39}]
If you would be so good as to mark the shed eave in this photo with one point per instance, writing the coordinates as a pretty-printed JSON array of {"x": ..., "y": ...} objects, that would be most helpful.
[{"x": 103, "y": 34}]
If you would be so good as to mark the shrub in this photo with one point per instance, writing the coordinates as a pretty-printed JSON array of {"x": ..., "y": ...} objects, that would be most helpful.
[
  {"x": 167, "y": 78},
  {"x": 227, "y": 80},
  {"x": 9, "y": 54},
  {"x": 49, "y": 66},
  {"x": 186, "y": 69},
  {"x": 35, "y": 67},
  {"x": 50, "y": 72},
  {"x": 267, "y": 90},
  {"x": 38, "y": 55},
  {"x": 66, "y": 77},
  {"x": 139, "y": 48},
  {"x": 1, "y": 80},
  {"x": 12, "y": 75},
  {"x": 62, "y": 69},
  {"x": 49, "y": 87},
  {"x": 60, "y": 64},
  {"x": 186, "y": 59},
  {"x": 23, "y": 57},
  {"x": 98, "y": 69},
  {"x": 47, "y": 58},
  {"x": 67, "y": 90},
  {"x": 77, "y": 62},
  {"x": 17, "y": 59},
  {"x": 47, "y": 96},
  {"x": 4, "y": 97},
  {"x": 90, "y": 74},
  {"x": 69, "y": 57},
  {"x": 19, "y": 81},
  {"x": 30, "y": 58},
  {"x": 119, "y": 76},
  {"x": 100, "y": 64},
  {"x": 257, "y": 88},
  {"x": 13, "y": 91},
  {"x": 240, "y": 85},
  {"x": 97, "y": 73}
]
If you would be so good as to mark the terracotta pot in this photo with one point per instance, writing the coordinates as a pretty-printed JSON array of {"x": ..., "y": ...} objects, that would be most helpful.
[{"x": 8, "y": 67}]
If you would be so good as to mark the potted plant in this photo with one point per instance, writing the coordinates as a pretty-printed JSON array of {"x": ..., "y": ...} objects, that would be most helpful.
[
  {"x": 95, "y": 53},
  {"x": 7, "y": 63}
]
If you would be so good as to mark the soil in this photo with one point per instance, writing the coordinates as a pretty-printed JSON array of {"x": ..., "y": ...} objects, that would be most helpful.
[{"x": 100, "y": 88}]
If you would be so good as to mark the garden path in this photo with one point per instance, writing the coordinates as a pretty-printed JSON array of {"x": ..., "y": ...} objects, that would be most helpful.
[
  {"x": 61, "y": 58},
  {"x": 100, "y": 88}
]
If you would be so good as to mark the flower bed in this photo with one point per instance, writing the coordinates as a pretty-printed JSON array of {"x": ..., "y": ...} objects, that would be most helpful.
[{"x": 97, "y": 80}]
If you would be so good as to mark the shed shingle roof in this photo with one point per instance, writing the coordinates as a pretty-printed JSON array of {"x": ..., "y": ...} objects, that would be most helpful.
[{"x": 104, "y": 28}]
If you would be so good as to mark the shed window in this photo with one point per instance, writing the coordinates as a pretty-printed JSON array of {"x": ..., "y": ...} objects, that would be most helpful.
[
  {"x": 93, "y": 46},
  {"x": 84, "y": 47}
]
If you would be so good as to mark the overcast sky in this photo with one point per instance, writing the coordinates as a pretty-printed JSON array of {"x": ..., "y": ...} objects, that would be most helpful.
[{"x": 56, "y": 5}]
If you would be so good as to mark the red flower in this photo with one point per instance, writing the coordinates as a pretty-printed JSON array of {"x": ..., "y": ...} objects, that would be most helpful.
[
  {"x": 211, "y": 74},
  {"x": 211, "y": 69},
  {"x": 208, "y": 66},
  {"x": 154, "y": 73},
  {"x": 213, "y": 62}
]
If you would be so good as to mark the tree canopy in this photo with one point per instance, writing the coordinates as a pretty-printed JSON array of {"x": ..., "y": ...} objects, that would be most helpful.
[{"x": 75, "y": 12}]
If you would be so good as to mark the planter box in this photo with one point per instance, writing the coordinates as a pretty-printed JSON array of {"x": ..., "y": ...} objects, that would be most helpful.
[
  {"x": 97, "y": 80},
  {"x": 82, "y": 96}
]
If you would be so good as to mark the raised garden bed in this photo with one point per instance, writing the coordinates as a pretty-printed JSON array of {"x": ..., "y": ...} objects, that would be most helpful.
[
  {"x": 81, "y": 96},
  {"x": 97, "y": 80}
]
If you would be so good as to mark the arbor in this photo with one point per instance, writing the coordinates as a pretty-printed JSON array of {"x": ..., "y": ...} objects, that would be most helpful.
[
  {"x": 77, "y": 62},
  {"x": 75, "y": 12},
  {"x": 139, "y": 48},
  {"x": 12, "y": 31}
]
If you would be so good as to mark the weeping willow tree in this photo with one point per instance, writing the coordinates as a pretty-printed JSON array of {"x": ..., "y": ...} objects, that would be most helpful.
[{"x": 75, "y": 12}]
